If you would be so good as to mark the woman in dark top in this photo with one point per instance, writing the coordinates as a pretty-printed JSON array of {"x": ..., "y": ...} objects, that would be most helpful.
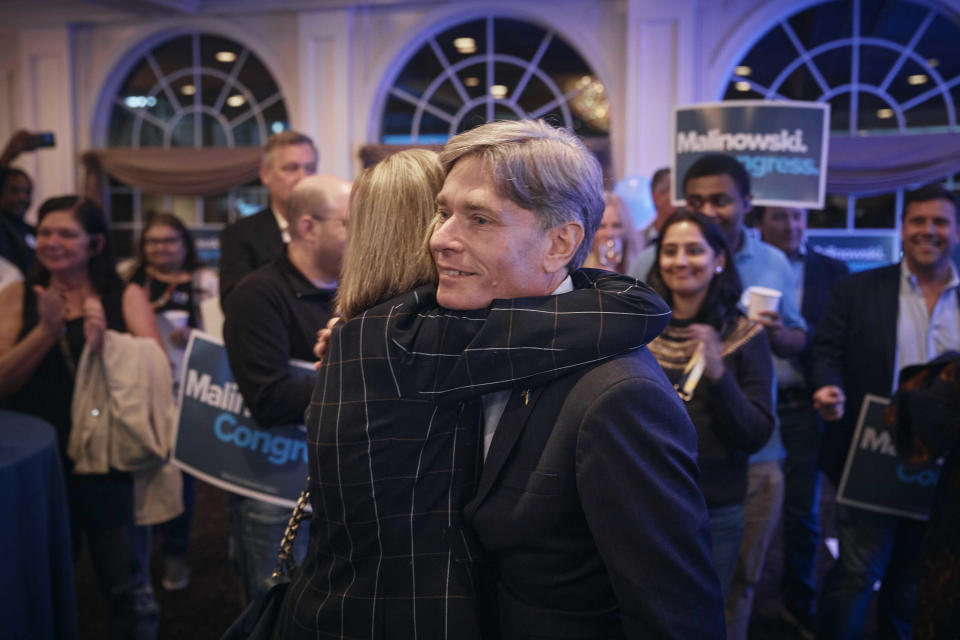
[
  {"x": 729, "y": 393},
  {"x": 73, "y": 296},
  {"x": 173, "y": 279}
]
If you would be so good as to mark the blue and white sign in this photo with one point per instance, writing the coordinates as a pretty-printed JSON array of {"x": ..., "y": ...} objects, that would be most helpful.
[
  {"x": 217, "y": 439},
  {"x": 875, "y": 478},
  {"x": 860, "y": 250},
  {"x": 782, "y": 144}
]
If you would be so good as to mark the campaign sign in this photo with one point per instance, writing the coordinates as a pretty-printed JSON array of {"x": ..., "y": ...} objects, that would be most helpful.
[
  {"x": 875, "y": 478},
  {"x": 859, "y": 250},
  {"x": 217, "y": 439},
  {"x": 783, "y": 146}
]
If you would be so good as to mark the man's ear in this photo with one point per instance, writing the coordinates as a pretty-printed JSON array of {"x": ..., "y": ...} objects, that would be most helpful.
[
  {"x": 564, "y": 240},
  {"x": 304, "y": 226},
  {"x": 97, "y": 242},
  {"x": 265, "y": 175},
  {"x": 747, "y": 204}
]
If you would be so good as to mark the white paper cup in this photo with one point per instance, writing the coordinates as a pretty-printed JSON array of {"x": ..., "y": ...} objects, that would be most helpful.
[
  {"x": 177, "y": 318},
  {"x": 758, "y": 299}
]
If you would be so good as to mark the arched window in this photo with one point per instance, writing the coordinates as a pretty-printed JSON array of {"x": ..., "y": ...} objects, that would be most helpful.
[
  {"x": 885, "y": 68},
  {"x": 195, "y": 90},
  {"x": 492, "y": 68}
]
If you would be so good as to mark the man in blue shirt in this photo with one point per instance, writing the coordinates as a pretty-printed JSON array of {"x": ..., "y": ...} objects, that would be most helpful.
[
  {"x": 800, "y": 426},
  {"x": 718, "y": 186},
  {"x": 876, "y": 323}
]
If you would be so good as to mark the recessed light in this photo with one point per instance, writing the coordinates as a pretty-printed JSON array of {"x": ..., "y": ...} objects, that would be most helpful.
[
  {"x": 742, "y": 70},
  {"x": 465, "y": 45},
  {"x": 236, "y": 100},
  {"x": 498, "y": 90},
  {"x": 471, "y": 81},
  {"x": 741, "y": 86},
  {"x": 225, "y": 56},
  {"x": 188, "y": 90},
  {"x": 884, "y": 114},
  {"x": 919, "y": 78}
]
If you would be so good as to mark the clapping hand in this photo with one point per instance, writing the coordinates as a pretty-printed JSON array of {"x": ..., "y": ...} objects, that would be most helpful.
[
  {"x": 94, "y": 322},
  {"x": 707, "y": 336},
  {"x": 51, "y": 309}
]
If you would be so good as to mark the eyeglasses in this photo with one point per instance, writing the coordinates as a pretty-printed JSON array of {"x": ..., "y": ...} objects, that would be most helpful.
[
  {"x": 716, "y": 200},
  {"x": 167, "y": 242},
  {"x": 344, "y": 222}
]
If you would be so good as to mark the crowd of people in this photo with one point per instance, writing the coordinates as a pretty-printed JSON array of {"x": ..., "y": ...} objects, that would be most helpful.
[{"x": 529, "y": 418}]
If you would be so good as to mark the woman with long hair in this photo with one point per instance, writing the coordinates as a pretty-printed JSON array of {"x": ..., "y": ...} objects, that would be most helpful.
[
  {"x": 175, "y": 282},
  {"x": 68, "y": 302},
  {"x": 392, "y": 427},
  {"x": 720, "y": 363}
]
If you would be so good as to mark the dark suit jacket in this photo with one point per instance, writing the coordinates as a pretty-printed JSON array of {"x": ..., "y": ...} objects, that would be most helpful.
[
  {"x": 248, "y": 244},
  {"x": 855, "y": 349},
  {"x": 820, "y": 272},
  {"x": 393, "y": 453},
  {"x": 589, "y": 507}
]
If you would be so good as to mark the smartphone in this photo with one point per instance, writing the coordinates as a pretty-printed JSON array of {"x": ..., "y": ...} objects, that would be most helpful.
[{"x": 39, "y": 140}]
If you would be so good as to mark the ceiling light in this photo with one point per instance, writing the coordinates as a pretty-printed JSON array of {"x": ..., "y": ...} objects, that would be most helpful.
[
  {"x": 140, "y": 102},
  {"x": 498, "y": 90},
  {"x": 919, "y": 78},
  {"x": 472, "y": 81},
  {"x": 884, "y": 114},
  {"x": 742, "y": 70},
  {"x": 933, "y": 62},
  {"x": 277, "y": 127},
  {"x": 741, "y": 86},
  {"x": 236, "y": 100},
  {"x": 465, "y": 45},
  {"x": 188, "y": 90},
  {"x": 225, "y": 56}
]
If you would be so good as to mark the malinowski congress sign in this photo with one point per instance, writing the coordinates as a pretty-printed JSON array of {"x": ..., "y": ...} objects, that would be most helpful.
[
  {"x": 875, "y": 478},
  {"x": 217, "y": 439},
  {"x": 783, "y": 146}
]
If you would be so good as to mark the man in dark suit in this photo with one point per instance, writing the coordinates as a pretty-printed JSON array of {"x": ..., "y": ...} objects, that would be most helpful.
[
  {"x": 876, "y": 323},
  {"x": 800, "y": 426},
  {"x": 253, "y": 241},
  {"x": 587, "y": 503}
]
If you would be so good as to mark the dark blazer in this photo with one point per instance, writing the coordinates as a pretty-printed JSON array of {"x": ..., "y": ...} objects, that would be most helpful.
[
  {"x": 589, "y": 508},
  {"x": 855, "y": 349},
  {"x": 820, "y": 272},
  {"x": 393, "y": 452},
  {"x": 247, "y": 244}
]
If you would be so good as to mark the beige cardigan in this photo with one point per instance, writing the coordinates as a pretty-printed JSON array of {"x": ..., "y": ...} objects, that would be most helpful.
[{"x": 122, "y": 418}]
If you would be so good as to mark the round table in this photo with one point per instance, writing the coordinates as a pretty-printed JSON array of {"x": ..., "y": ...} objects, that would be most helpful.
[{"x": 36, "y": 578}]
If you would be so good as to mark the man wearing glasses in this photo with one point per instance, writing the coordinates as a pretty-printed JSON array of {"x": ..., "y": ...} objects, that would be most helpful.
[
  {"x": 718, "y": 186},
  {"x": 272, "y": 316}
]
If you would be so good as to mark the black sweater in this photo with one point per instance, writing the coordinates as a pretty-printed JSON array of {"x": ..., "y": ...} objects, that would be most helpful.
[
  {"x": 733, "y": 415},
  {"x": 271, "y": 316}
]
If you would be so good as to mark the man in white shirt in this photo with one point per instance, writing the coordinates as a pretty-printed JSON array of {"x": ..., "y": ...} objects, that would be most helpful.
[
  {"x": 253, "y": 241},
  {"x": 876, "y": 323}
]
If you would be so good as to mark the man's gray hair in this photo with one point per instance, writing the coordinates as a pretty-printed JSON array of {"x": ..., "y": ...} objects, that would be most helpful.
[
  {"x": 284, "y": 139},
  {"x": 539, "y": 168}
]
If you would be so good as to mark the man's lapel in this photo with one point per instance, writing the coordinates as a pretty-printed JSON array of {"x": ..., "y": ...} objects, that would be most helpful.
[{"x": 512, "y": 423}]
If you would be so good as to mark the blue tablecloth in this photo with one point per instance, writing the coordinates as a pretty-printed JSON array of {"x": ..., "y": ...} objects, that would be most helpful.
[{"x": 36, "y": 563}]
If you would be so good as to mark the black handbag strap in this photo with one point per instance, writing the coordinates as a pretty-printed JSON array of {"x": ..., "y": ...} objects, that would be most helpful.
[{"x": 285, "y": 562}]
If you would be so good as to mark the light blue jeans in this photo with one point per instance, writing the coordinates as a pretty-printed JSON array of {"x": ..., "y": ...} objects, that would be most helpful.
[
  {"x": 726, "y": 533},
  {"x": 256, "y": 529}
]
